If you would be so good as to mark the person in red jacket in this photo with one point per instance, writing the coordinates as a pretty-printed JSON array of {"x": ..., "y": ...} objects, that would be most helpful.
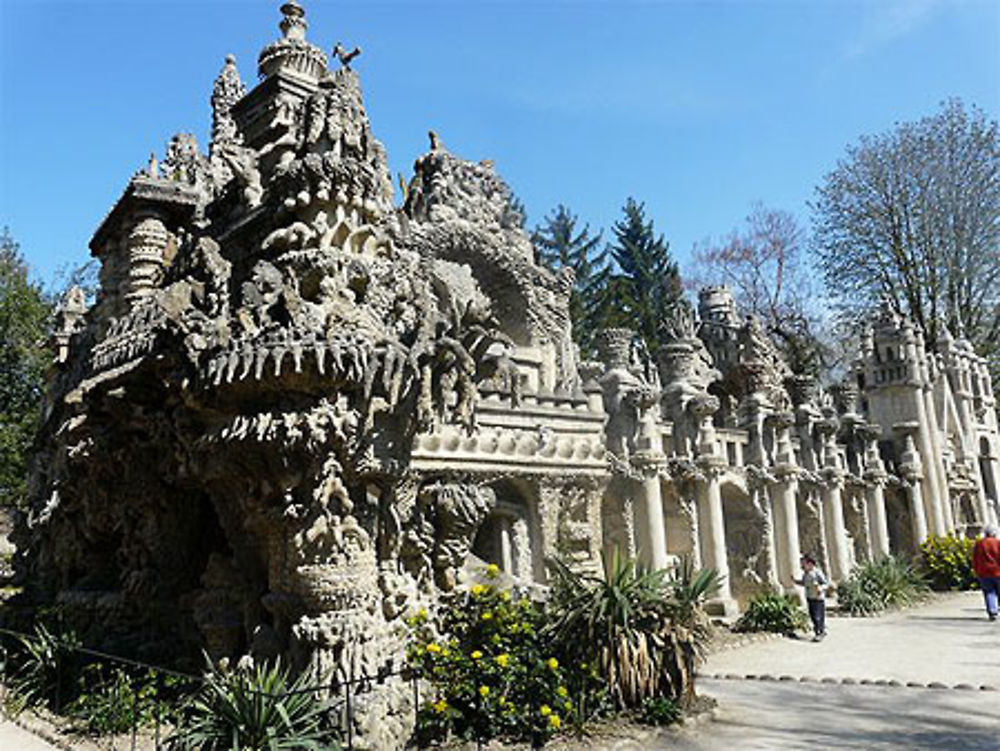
[{"x": 986, "y": 564}]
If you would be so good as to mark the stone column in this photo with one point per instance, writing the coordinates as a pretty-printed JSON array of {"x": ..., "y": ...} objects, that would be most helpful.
[
  {"x": 711, "y": 524},
  {"x": 146, "y": 245},
  {"x": 833, "y": 504},
  {"x": 928, "y": 374},
  {"x": 651, "y": 528},
  {"x": 783, "y": 492},
  {"x": 649, "y": 459},
  {"x": 833, "y": 512},
  {"x": 875, "y": 478},
  {"x": 712, "y": 532},
  {"x": 506, "y": 546},
  {"x": 911, "y": 470}
]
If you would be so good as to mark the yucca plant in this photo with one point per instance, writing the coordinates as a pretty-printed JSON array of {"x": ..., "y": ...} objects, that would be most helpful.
[
  {"x": 630, "y": 624},
  {"x": 258, "y": 708},
  {"x": 874, "y": 586},
  {"x": 772, "y": 612}
]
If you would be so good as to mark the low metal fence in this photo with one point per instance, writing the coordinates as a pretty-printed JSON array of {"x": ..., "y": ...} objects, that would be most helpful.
[{"x": 170, "y": 687}]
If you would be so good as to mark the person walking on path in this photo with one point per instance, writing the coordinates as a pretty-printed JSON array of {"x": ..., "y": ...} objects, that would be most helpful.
[
  {"x": 986, "y": 564},
  {"x": 815, "y": 582}
]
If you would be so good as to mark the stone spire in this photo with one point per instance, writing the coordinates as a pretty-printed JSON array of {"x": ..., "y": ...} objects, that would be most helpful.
[
  {"x": 227, "y": 91},
  {"x": 292, "y": 53}
]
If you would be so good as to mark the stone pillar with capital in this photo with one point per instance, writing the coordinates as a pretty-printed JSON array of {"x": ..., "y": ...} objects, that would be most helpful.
[
  {"x": 783, "y": 492},
  {"x": 833, "y": 504},
  {"x": 711, "y": 524},
  {"x": 875, "y": 478},
  {"x": 911, "y": 470}
]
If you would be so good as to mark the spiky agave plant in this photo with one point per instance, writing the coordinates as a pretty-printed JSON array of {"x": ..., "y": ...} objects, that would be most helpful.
[
  {"x": 624, "y": 622},
  {"x": 258, "y": 708}
]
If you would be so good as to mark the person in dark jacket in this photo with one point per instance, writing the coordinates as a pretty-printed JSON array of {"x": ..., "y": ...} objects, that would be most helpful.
[
  {"x": 986, "y": 564},
  {"x": 815, "y": 583}
]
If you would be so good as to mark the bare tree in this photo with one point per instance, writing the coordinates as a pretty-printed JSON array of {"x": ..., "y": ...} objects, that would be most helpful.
[
  {"x": 765, "y": 266},
  {"x": 913, "y": 216}
]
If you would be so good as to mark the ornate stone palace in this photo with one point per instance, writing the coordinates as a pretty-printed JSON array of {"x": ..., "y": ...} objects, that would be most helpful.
[{"x": 297, "y": 412}]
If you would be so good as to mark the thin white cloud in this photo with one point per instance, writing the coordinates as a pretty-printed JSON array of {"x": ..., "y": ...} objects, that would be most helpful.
[{"x": 885, "y": 21}]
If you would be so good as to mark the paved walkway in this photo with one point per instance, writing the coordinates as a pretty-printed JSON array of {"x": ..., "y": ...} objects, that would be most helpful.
[
  {"x": 13, "y": 738},
  {"x": 946, "y": 643}
]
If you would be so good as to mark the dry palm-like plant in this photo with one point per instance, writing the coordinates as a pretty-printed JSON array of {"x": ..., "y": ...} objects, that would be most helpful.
[{"x": 638, "y": 626}]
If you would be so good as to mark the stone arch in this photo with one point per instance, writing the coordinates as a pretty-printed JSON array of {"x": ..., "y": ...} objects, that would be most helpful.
[
  {"x": 900, "y": 521},
  {"x": 509, "y": 536},
  {"x": 986, "y": 469},
  {"x": 812, "y": 540},
  {"x": 746, "y": 541},
  {"x": 617, "y": 522},
  {"x": 856, "y": 523},
  {"x": 680, "y": 518}
]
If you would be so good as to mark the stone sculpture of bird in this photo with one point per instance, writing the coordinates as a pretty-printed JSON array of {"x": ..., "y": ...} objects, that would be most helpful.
[{"x": 344, "y": 56}]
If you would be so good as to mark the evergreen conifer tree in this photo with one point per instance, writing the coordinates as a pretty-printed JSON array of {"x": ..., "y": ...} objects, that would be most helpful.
[
  {"x": 645, "y": 288},
  {"x": 560, "y": 245}
]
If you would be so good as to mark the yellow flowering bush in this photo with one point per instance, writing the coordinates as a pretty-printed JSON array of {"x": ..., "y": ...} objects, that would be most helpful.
[
  {"x": 947, "y": 562},
  {"x": 493, "y": 680}
]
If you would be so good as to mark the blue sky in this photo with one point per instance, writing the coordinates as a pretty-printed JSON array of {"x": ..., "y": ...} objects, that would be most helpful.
[{"x": 697, "y": 109}]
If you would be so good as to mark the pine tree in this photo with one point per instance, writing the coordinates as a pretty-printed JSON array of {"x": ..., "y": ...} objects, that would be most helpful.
[
  {"x": 645, "y": 287},
  {"x": 560, "y": 245}
]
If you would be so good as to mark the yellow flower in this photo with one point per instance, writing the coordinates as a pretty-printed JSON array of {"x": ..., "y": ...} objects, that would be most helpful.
[
  {"x": 555, "y": 722},
  {"x": 502, "y": 660},
  {"x": 505, "y": 596},
  {"x": 562, "y": 691},
  {"x": 422, "y": 614},
  {"x": 476, "y": 654},
  {"x": 568, "y": 706},
  {"x": 433, "y": 648},
  {"x": 545, "y": 709},
  {"x": 477, "y": 589},
  {"x": 553, "y": 663},
  {"x": 487, "y": 615},
  {"x": 492, "y": 570},
  {"x": 484, "y": 691},
  {"x": 445, "y": 652},
  {"x": 440, "y": 706},
  {"x": 503, "y": 701}
]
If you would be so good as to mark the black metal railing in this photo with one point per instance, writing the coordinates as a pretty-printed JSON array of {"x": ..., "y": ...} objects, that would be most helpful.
[{"x": 171, "y": 686}]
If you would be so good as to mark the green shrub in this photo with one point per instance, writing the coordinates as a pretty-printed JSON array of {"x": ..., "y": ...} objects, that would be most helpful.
[
  {"x": 947, "y": 562},
  {"x": 660, "y": 711},
  {"x": 876, "y": 585},
  {"x": 258, "y": 708},
  {"x": 112, "y": 705},
  {"x": 773, "y": 612},
  {"x": 489, "y": 671}
]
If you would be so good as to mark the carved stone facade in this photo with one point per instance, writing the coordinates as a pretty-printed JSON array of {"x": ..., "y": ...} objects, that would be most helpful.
[{"x": 296, "y": 413}]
